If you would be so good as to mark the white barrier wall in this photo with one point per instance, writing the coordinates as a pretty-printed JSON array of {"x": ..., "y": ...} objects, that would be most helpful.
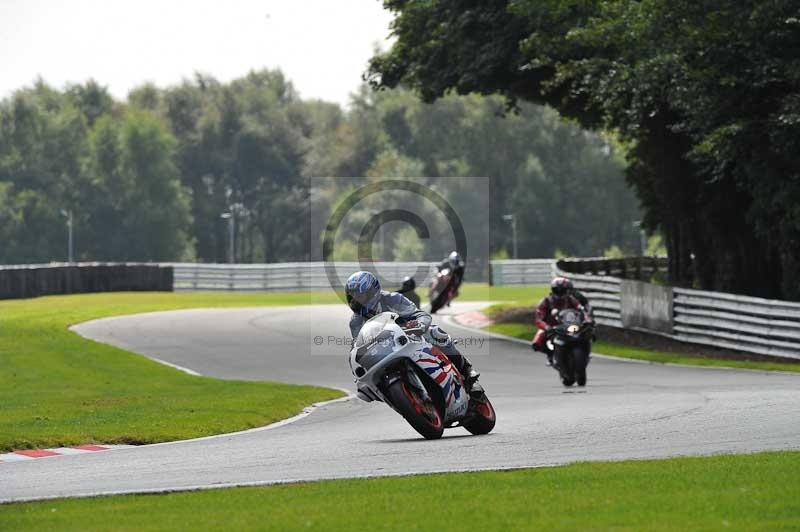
[
  {"x": 290, "y": 275},
  {"x": 752, "y": 324},
  {"x": 521, "y": 271}
]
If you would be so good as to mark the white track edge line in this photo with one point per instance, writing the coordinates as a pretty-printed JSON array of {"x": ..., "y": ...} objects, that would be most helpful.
[
  {"x": 306, "y": 412},
  {"x": 175, "y": 366},
  {"x": 257, "y": 483}
]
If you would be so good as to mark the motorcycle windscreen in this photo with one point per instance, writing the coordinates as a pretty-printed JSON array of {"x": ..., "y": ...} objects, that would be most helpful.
[{"x": 372, "y": 349}]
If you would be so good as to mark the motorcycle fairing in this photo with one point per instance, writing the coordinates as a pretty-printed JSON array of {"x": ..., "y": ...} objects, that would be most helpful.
[{"x": 441, "y": 370}]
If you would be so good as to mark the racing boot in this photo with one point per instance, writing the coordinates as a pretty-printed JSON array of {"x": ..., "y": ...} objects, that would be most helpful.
[
  {"x": 470, "y": 374},
  {"x": 465, "y": 368}
]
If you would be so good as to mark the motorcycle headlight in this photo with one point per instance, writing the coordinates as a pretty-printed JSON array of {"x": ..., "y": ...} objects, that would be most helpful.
[{"x": 572, "y": 329}]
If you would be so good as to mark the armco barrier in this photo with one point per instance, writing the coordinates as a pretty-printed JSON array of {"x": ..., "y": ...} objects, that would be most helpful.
[
  {"x": 521, "y": 271},
  {"x": 290, "y": 275},
  {"x": 764, "y": 326},
  {"x": 641, "y": 268},
  {"x": 751, "y": 324},
  {"x": 52, "y": 279}
]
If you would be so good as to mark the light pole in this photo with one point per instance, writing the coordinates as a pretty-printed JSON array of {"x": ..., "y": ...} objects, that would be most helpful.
[
  {"x": 513, "y": 219},
  {"x": 68, "y": 215},
  {"x": 234, "y": 210},
  {"x": 229, "y": 216},
  {"x": 642, "y": 237},
  {"x": 380, "y": 233}
]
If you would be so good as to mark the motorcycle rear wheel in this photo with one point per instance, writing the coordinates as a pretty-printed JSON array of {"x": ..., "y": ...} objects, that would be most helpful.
[{"x": 422, "y": 414}]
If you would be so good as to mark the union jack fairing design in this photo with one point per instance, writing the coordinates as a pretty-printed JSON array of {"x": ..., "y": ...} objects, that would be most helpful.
[{"x": 416, "y": 379}]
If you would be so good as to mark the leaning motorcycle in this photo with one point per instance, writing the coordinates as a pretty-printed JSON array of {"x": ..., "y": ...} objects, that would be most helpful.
[
  {"x": 415, "y": 378},
  {"x": 442, "y": 289},
  {"x": 570, "y": 342}
]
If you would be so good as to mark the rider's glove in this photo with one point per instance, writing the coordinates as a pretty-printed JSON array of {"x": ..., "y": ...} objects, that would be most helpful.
[{"x": 413, "y": 327}]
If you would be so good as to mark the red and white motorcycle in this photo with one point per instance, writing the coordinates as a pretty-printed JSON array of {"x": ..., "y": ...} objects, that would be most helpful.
[
  {"x": 443, "y": 289},
  {"x": 404, "y": 370}
]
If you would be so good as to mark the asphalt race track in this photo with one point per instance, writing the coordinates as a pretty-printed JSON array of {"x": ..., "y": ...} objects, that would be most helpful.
[{"x": 628, "y": 410}]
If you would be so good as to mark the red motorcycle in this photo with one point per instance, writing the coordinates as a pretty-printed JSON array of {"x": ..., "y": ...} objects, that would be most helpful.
[{"x": 443, "y": 289}]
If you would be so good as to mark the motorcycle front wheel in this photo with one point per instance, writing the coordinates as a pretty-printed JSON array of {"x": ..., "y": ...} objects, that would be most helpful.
[
  {"x": 566, "y": 366},
  {"x": 438, "y": 302},
  {"x": 421, "y": 413},
  {"x": 482, "y": 417},
  {"x": 581, "y": 360}
]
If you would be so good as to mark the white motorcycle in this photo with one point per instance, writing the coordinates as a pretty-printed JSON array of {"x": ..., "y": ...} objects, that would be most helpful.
[{"x": 401, "y": 368}]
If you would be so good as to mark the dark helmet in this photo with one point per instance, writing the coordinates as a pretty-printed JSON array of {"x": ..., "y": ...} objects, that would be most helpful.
[
  {"x": 560, "y": 287},
  {"x": 570, "y": 286},
  {"x": 455, "y": 260},
  {"x": 363, "y": 290},
  {"x": 408, "y": 285}
]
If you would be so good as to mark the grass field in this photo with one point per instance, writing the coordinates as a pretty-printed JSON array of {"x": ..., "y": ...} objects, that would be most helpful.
[
  {"x": 508, "y": 294},
  {"x": 58, "y": 389},
  {"x": 746, "y": 492}
]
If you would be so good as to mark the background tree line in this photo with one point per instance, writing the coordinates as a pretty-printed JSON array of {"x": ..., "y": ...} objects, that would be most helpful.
[
  {"x": 704, "y": 93},
  {"x": 149, "y": 177}
]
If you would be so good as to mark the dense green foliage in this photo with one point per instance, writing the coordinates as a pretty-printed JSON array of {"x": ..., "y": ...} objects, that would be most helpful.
[
  {"x": 149, "y": 178},
  {"x": 745, "y": 492},
  {"x": 705, "y": 93},
  {"x": 114, "y": 167}
]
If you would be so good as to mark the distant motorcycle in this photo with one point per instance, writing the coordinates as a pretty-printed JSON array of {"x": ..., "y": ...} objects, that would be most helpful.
[
  {"x": 399, "y": 367},
  {"x": 570, "y": 341},
  {"x": 443, "y": 289},
  {"x": 408, "y": 289}
]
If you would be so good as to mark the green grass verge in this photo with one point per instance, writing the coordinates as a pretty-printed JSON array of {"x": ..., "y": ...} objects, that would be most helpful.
[
  {"x": 484, "y": 292},
  {"x": 58, "y": 389},
  {"x": 746, "y": 492},
  {"x": 526, "y": 331}
]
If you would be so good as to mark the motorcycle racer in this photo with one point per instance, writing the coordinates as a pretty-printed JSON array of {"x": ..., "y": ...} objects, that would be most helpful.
[
  {"x": 560, "y": 298},
  {"x": 408, "y": 289},
  {"x": 455, "y": 264},
  {"x": 366, "y": 299}
]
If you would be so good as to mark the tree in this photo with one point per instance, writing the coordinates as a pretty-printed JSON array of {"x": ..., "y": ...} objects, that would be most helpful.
[
  {"x": 703, "y": 93},
  {"x": 42, "y": 143},
  {"x": 138, "y": 210}
]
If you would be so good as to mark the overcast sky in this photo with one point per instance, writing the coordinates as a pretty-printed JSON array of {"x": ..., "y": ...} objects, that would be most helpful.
[{"x": 321, "y": 45}]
